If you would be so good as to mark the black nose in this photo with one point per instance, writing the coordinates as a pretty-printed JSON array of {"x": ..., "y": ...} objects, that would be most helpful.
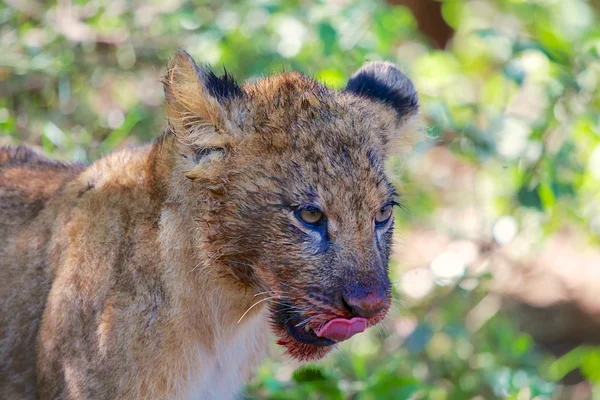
[{"x": 365, "y": 303}]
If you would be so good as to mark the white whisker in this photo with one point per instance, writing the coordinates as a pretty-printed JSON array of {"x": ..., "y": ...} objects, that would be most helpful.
[
  {"x": 307, "y": 320},
  {"x": 253, "y": 305}
]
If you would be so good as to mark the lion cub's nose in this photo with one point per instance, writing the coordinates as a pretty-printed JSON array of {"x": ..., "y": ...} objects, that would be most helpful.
[{"x": 365, "y": 303}]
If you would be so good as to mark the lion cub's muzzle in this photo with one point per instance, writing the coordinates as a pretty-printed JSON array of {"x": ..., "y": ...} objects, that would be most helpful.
[
  {"x": 344, "y": 314},
  {"x": 361, "y": 304}
]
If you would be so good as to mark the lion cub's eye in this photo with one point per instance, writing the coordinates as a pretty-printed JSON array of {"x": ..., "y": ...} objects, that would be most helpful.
[
  {"x": 383, "y": 215},
  {"x": 310, "y": 216}
]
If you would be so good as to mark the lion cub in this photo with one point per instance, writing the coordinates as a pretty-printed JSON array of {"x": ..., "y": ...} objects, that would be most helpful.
[{"x": 156, "y": 272}]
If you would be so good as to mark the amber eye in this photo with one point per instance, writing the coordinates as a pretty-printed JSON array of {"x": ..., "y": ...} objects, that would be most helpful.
[
  {"x": 310, "y": 216},
  {"x": 383, "y": 215}
]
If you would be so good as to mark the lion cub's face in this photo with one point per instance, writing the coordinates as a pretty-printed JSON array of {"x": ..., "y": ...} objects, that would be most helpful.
[{"x": 289, "y": 182}]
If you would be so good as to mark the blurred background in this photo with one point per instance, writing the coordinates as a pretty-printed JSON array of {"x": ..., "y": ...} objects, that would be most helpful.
[{"x": 497, "y": 266}]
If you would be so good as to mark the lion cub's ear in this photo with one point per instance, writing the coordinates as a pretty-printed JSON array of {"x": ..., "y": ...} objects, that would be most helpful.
[
  {"x": 200, "y": 109},
  {"x": 385, "y": 84}
]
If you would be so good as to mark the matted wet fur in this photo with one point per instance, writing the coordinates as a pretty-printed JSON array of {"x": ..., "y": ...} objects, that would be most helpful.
[{"x": 128, "y": 278}]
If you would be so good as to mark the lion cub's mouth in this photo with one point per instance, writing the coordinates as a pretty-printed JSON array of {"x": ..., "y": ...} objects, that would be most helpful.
[
  {"x": 333, "y": 331},
  {"x": 303, "y": 332},
  {"x": 340, "y": 329},
  {"x": 311, "y": 335}
]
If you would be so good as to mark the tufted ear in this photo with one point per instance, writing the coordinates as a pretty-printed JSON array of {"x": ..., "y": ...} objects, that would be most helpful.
[
  {"x": 385, "y": 84},
  {"x": 200, "y": 109}
]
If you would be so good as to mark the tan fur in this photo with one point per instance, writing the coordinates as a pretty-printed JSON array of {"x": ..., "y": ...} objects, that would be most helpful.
[{"x": 127, "y": 278}]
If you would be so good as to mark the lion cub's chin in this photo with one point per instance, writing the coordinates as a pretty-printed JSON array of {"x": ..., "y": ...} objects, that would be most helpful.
[{"x": 298, "y": 350}]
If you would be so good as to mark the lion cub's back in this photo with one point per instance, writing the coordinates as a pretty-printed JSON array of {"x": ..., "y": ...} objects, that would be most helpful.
[{"x": 27, "y": 182}]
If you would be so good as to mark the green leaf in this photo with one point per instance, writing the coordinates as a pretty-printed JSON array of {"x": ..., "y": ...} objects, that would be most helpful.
[
  {"x": 590, "y": 366},
  {"x": 119, "y": 134},
  {"x": 530, "y": 198},
  {"x": 309, "y": 373},
  {"x": 328, "y": 36},
  {"x": 546, "y": 195},
  {"x": 567, "y": 363}
]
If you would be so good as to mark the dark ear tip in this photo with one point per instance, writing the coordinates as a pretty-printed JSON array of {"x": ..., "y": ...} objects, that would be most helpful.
[
  {"x": 389, "y": 72},
  {"x": 384, "y": 82},
  {"x": 380, "y": 67}
]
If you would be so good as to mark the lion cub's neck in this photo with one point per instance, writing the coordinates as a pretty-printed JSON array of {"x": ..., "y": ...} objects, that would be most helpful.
[
  {"x": 209, "y": 302},
  {"x": 199, "y": 305},
  {"x": 183, "y": 241}
]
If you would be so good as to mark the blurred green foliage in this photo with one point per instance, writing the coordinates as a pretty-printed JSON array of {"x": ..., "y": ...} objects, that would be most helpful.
[{"x": 516, "y": 96}]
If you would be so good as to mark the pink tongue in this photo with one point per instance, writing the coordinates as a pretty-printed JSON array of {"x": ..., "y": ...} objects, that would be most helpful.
[{"x": 339, "y": 329}]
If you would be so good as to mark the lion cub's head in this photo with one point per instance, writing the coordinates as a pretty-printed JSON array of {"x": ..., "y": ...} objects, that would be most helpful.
[{"x": 285, "y": 179}]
